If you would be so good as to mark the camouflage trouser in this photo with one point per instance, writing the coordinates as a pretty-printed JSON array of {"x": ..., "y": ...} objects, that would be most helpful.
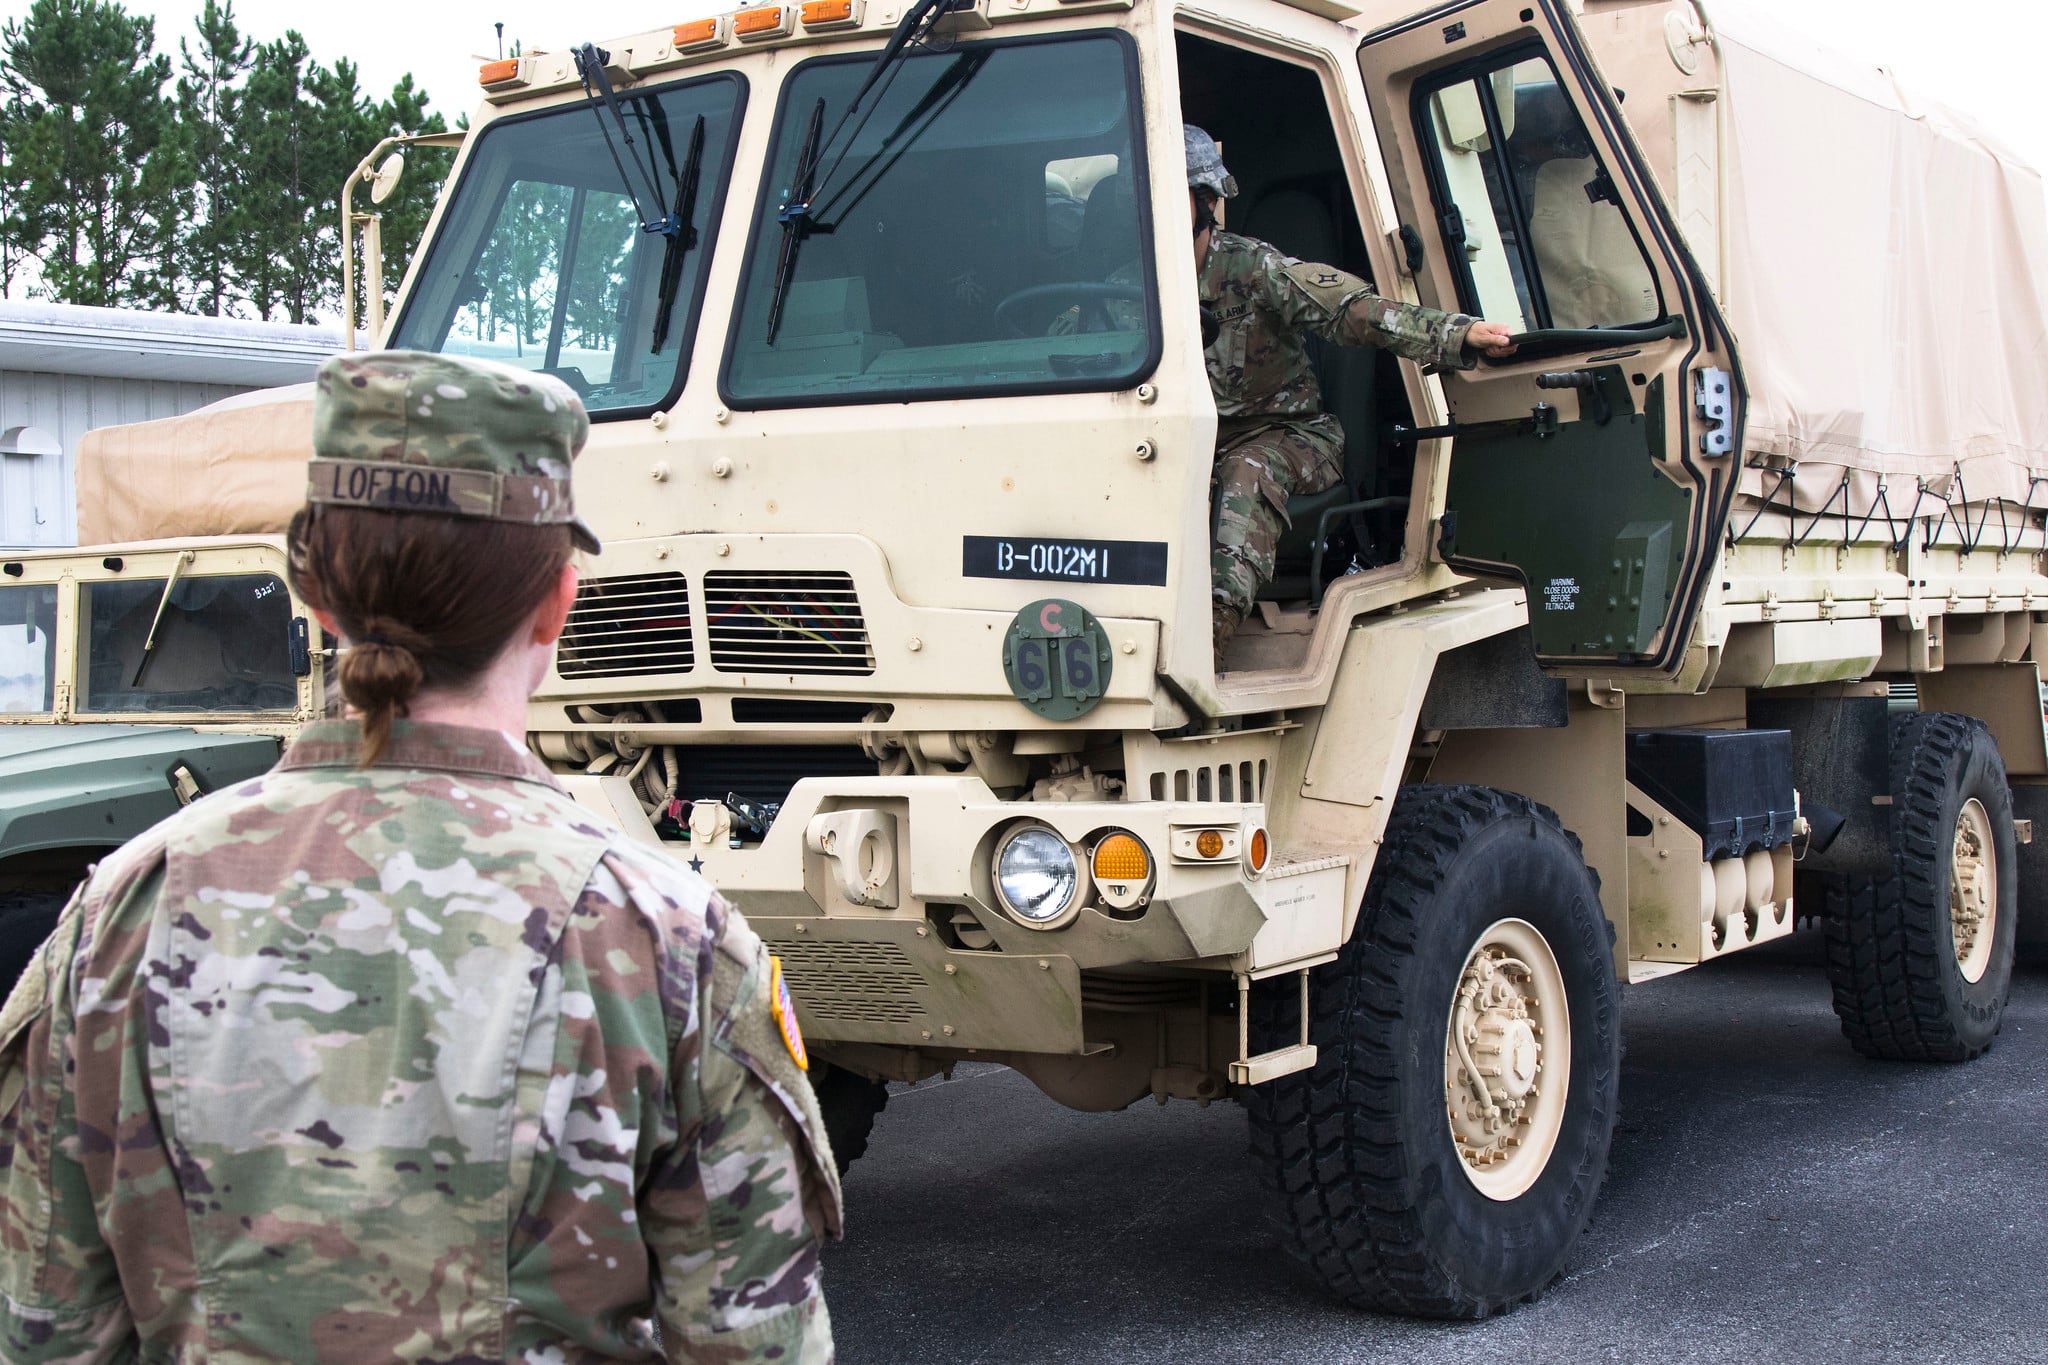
[{"x": 1258, "y": 467}]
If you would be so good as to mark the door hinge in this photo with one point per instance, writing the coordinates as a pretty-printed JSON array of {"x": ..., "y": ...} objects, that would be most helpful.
[{"x": 1714, "y": 394}]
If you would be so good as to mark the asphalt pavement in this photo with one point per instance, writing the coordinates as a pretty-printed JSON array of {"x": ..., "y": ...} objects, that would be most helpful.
[{"x": 1772, "y": 1197}]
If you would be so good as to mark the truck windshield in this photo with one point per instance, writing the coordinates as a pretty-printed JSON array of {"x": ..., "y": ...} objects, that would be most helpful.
[
  {"x": 979, "y": 228},
  {"x": 223, "y": 643},
  {"x": 541, "y": 262}
]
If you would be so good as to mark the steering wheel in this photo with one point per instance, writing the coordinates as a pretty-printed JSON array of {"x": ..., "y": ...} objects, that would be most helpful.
[{"x": 1090, "y": 294}]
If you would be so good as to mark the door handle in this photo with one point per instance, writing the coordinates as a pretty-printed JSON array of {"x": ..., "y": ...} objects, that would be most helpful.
[{"x": 1555, "y": 341}]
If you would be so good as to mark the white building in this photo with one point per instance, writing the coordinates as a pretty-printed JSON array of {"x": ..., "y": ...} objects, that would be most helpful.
[{"x": 65, "y": 370}]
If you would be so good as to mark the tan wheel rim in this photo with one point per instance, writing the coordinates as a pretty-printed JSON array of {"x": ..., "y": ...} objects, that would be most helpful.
[
  {"x": 1507, "y": 1059},
  {"x": 1973, "y": 890}
]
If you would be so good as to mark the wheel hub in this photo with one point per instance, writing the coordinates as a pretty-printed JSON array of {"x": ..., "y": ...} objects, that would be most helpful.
[
  {"x": 1506, "y": 1043},
  {"x": 1973, "y": 890}
]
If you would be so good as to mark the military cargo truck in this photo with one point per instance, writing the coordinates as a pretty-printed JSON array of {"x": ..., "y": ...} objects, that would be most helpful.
[
  {"x": 886, "y": 317},
  {"x": 133, "y": 680}
]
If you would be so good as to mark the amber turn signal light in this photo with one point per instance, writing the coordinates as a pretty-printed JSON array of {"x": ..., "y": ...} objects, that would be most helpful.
[
  {"x": 1209, "y": 843},
  {"x": 1121, "y": 858},
  {"x": 766, "y": 19}
]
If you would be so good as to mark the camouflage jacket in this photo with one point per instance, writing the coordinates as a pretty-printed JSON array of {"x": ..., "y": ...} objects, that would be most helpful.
[
  {"x": 1265, "y": 301},
  {"x": 418, "y": 1062}
]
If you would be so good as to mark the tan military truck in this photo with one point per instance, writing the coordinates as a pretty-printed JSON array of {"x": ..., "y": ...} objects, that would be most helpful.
[
  {"x": 886, "y": 317},
  {"x": 133, "y": 680}
]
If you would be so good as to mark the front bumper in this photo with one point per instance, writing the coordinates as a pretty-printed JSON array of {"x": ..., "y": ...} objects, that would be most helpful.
[{"x": 894, "y": 971}]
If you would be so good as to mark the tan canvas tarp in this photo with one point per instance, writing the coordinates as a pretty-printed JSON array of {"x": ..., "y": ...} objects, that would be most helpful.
[
  {"x": 235, "y": 467},
  {"x": 1886, "y": 274}
]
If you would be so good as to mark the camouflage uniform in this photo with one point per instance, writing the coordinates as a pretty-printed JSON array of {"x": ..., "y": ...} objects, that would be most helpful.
[
  {"x": 415, "y": 1061},
  {"x": 1273, "y": 439},
  {"x": 419, "y": 1062}
]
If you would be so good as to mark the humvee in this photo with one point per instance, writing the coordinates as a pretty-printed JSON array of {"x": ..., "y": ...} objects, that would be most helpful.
[
  {"x": 887, "y": 320},
  {"x": 134, "y": 679}
]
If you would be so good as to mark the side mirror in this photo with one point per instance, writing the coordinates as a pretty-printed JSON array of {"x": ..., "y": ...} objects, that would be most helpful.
[{"x": 387, "y": 177}]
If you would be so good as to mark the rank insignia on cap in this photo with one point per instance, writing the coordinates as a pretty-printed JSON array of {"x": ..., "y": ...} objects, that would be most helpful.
[{"x": 785, "y": 1016}]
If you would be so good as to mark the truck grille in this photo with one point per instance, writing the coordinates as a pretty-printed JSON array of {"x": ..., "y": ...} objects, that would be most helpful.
[
  {"x": 627, "y": 626},
  {"x": 859, "y": 983},
  {"x": 1229, "y": 782},
  {"x": 798, "y": 622}
]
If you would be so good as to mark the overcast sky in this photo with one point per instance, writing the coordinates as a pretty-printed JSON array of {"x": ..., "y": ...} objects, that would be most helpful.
[{"x": 1982, "y": 56}]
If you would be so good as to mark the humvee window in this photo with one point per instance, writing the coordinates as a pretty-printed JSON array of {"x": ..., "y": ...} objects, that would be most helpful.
[
  {"x": 221, "y": 643},
  {"x": 542, "y": 262},
  {"x": 28, "y": 649},
  {"x": 1545, "y": 242},
  {"x": 978, "y": 229}
]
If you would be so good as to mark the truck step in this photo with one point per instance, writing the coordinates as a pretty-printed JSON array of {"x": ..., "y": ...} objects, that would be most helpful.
[{"x": 1272, "y": 1065}]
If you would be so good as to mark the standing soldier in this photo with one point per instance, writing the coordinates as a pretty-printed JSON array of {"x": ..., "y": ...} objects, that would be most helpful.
[
  {"x": 396, "y": 1052},
  {"x": 1273, "y": 439}
]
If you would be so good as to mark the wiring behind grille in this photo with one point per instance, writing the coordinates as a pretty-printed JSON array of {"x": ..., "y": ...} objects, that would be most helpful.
[
  {"x": 791, "y": 622},
  {"x": 627, "y": 626}
]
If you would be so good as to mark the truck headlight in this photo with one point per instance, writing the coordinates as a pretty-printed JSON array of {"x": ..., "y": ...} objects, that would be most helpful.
[{"x": 1038, "y": 877}]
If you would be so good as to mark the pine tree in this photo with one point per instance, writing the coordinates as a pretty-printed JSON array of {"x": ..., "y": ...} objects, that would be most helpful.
[
  {"x": 268, "y": 249},
  {"x": 21, "y": 226},
  {"x": 209, "y": 114},
  {"x": 90, "y": 143}
]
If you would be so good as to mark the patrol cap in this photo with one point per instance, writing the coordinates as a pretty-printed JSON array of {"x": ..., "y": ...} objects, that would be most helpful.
[
  {"x": 1205, "y": 163},
  {"x": 411, "y": 431}
]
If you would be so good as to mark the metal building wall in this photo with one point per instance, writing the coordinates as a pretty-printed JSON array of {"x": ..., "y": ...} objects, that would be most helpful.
[{"x": 38, "y": 499}]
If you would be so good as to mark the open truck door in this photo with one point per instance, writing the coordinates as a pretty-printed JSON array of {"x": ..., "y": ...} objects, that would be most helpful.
[{"x": 1599, "y": 462}]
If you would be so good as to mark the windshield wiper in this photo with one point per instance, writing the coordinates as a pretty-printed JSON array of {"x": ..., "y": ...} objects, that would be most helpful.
[
  {"x": 679, "y": 242},
  {"x": 795, "y": 217},
  {"x": 900, "y": 139},
  {"x": 170, "y": 586},
  {"x": 590, "y": 62},
  {"x": 797, "y": 214}
]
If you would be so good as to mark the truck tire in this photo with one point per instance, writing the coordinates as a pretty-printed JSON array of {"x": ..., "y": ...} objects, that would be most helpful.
[
  {"x": 1481, "y": 946},
  {"x": 1921, "y": 961},
  {"x": 26, "y": 919},
  {"x": 849, "y": 1102}
]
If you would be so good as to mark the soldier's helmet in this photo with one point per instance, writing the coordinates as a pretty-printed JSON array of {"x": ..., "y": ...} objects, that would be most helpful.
[{"x": 1205, "y": 163}]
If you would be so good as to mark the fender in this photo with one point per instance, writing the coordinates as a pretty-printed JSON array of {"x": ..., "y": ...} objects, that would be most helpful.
[
  {"x": 94, "y": 786},
  {"x": 1361, "y": 740}
]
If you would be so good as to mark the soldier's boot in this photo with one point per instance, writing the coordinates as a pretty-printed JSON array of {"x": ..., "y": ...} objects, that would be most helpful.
[{"x": 1226, "y": 620}]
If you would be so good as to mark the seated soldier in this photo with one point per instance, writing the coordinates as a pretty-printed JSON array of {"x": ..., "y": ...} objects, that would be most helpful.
[{"x": 1273, "y": 438}]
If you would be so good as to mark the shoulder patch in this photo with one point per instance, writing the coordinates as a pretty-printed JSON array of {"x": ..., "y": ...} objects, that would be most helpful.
[
  {"x": 1326, "y": 284},
  {"x": 785, "y": 1017}
]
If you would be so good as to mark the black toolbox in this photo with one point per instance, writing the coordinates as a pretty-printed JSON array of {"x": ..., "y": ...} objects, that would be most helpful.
[{"x": 1731, "y": 787}]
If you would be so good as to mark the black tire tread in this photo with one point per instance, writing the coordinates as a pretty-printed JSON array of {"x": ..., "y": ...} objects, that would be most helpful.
[
  {"x": 1887, "y": 937},
  {"x": 850, "y": 1103},
  {"x": 1338, "y": 1182}
]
